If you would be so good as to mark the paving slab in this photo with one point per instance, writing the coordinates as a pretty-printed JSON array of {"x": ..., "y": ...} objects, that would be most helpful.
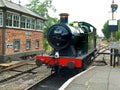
[{"x": 95, "y": 78}]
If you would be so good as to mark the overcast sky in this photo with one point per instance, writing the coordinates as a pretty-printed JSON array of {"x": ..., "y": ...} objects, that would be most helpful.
[{"x": 96, "y": 12}]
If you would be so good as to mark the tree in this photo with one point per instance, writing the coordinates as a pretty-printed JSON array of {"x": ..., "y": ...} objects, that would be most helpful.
[
  {"x": 105, "y": 31},
  {"x": 118, "y": 33},
  {"x": 42, "y": 9}
]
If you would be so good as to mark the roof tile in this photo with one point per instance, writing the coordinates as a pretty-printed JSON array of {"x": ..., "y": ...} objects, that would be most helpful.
[{"x": 17, "y": 7}]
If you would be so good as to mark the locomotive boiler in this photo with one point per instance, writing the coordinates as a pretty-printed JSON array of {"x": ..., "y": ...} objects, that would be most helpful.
[{"x": 73, "y": 46}]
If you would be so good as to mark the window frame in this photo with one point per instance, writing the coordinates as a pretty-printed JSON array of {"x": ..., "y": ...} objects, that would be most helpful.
[
  {"x": 23, "y": 22},
  {"x": 17, "y": 46},
  {"x": 37, "y": 43},
  {"x": 1, "y": 19},
  {"x": 28, "y": 44},
  {"x": 16, "y": 20},
  {"x": 33, "y": 23},
  {"x": 29, "y": 22},
  {"x": 11, "y": 21},
  {"x": 39, "y": 25}
]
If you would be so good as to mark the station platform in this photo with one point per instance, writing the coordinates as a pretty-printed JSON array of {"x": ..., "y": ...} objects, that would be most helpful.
[{"x": 95, "y": 78}]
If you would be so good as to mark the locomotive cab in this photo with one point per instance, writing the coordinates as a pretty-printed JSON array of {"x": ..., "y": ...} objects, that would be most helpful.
[{"x": 87, "y": 40}]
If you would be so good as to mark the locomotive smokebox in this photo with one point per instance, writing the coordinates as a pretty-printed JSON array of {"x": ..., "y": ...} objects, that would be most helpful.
[{"x": 64, "y": 18}]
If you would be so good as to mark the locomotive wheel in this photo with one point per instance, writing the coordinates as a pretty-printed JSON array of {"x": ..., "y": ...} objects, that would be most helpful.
[{"x": 38, "y": 63}]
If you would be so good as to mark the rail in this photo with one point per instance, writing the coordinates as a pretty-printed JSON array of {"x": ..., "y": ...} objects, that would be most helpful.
[{"x": 12, "y": 69}]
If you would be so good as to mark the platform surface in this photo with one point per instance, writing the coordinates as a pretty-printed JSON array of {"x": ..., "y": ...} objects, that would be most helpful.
[{"x": 95, "y": 78}]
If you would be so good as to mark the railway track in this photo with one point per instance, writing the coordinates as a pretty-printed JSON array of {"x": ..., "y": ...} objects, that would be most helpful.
[
  {"x": 101, "y": 49},
  {"x": 19, "y": 77},
  {"x": 53, "y": 82},
  {"x": 15, "y": 71}
]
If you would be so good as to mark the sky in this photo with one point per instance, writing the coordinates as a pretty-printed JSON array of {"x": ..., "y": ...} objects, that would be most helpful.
[{"x": 95, "y": 12}]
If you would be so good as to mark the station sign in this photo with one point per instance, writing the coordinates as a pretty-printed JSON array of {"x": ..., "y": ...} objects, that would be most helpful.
[
  {"x": 9, "y": 45},
  {"x": 113, "y": 25},
  {"x": 114, "y": 45}
]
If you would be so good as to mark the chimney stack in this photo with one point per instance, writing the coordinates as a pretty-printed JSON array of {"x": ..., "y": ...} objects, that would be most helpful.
[{"x": 64, "y": 18}]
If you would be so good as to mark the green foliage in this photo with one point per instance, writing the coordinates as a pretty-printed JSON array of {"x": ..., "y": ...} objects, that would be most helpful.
[
  {"x": 41, "y": 7},
  {"x": 71, "y": 23},
  {"x": 118, "y": 33},
  {"x": 105, "y": 31}
]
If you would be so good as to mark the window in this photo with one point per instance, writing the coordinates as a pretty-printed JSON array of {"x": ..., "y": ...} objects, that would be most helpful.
[
  {"x": 16, "y": 45},
  {"x": 39, "y": 25},
  {"x": 1, "y": 19},
  {"x": 28, "y": 44},
  {"x": 13, "y": 20},
  {"x": 33, "y": 24},
  {"x": 9, "y": 19},
  {"x": 16, "y": 20},
  {"x": 23, "y": 22},
  {"x": 37, "y": 44},
  {"x": 28, "y": 23}
]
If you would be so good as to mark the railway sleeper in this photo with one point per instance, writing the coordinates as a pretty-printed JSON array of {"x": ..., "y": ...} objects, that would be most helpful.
[{"x": 23, "y": 71}]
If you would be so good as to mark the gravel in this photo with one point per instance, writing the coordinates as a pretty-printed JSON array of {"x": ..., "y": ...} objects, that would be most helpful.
[{"x": 25, "y": 80}]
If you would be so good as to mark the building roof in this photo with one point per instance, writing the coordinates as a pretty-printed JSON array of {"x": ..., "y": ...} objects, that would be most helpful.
[{"x": 19, "y": 8}]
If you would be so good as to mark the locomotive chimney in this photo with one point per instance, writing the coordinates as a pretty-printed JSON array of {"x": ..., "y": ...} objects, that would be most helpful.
[{"x": 64, "y": 17}]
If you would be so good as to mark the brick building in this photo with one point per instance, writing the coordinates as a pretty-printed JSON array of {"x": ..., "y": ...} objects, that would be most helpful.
[{"x": 21, "y": 31}]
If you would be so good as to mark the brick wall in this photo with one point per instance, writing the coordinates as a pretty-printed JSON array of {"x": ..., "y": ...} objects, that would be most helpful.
[{"x": 22, "y": 35}]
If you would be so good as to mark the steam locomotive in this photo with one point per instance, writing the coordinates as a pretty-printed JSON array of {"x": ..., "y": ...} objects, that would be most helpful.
[{"x": 73, "y": 46}]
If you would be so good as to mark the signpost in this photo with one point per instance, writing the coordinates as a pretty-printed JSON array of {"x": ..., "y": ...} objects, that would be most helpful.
[
  {"x": 113, "y": 27},
  {"x": 114, "y": 45}
]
